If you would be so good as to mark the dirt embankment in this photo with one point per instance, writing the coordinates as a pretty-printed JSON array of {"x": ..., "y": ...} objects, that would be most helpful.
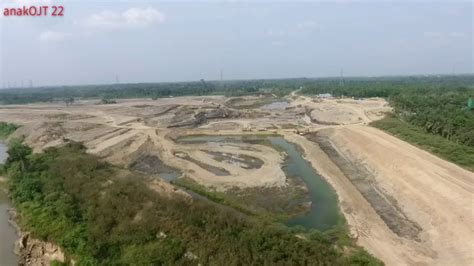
[
  {"x": 32, "y": 251},
  {"x": 391, "y": 191},
  {"x": 363, "y": 179}
]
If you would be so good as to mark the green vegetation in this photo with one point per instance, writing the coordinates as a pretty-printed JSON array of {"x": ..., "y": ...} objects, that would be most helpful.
[
  {"x": 141, "y": 90},
  {"x": 107, "y": 101},
  {"x": 6, "y": 129},
  {"x": 430, "y": 112},
  {"x": 439, "y": 112},
  {"x": 357, "y": 87},
  {"x": 436, "y": 105},
  {"x": 101, "y": 215},
  {"x": 215, "y": 196},
  {"x": 460, "y": 154}
]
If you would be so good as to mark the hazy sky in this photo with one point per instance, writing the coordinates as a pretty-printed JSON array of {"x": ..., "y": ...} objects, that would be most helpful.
[{"x": 147, "y": 41}]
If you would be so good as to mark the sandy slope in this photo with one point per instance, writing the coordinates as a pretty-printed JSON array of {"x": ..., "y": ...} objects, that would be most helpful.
[{"x": 435, "y": 194}]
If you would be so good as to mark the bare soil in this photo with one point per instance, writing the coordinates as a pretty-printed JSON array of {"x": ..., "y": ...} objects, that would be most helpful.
[{"x": 404, "y": 205}]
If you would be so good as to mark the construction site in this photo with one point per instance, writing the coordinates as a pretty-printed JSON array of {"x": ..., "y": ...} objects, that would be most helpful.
[{"x": 401, "y": 203}]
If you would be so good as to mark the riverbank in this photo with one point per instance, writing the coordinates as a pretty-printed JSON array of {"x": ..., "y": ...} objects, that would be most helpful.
[
  {"x": 8, "y": 235},
  {"x": 32, "y": 251},
  {"x": 17, "y": 246},
  {"x": 3, "y": 185},
  {"x": 409, "y": 180}
]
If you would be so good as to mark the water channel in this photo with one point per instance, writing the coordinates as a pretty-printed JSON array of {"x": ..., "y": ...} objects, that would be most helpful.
[
  {"x": 7, "y": 232},
  {"x": 324, "y": 212}
]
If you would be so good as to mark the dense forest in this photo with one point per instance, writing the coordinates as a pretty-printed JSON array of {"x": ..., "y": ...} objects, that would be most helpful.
[
  {"x": 357, "y": 87},
  {"x": 143, "y": 90},
  {"x": 460, "y": 154},
  {"x": 101, "y": 215},
  {"x": 437, "y": 105}
]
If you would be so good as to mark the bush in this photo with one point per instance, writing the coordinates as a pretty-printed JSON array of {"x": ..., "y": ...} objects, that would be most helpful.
[{"x": 6, "y": 129}]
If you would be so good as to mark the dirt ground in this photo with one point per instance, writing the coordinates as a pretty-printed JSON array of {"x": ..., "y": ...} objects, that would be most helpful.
[
  {"x": 344, "y": 111},
  {"x": 434, "y": 194},
  {"x": 404, "y": 205}
]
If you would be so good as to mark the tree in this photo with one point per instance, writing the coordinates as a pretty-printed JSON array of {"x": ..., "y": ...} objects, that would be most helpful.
[
  {"x": 69, "y": 101},
  {"x": 18, "y": 152}
]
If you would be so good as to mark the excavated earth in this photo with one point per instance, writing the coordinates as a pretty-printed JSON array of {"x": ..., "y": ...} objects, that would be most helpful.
[{"x": 404, "y": 205}]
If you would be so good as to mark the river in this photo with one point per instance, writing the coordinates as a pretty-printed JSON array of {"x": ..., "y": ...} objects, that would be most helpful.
[{"x": 7, "y": 232}]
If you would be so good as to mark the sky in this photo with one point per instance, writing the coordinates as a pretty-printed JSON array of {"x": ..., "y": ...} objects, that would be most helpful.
[{"x": 96, "y": 42}]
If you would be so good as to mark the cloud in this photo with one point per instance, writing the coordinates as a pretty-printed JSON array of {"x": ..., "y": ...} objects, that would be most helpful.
[
  {"x": 445, "y": 35},
  {"x": 132, "y": 18},
  {"x": 456, "y": 34},
  {"x": 27, "y": 2},
  {"x": 53, "y": 36},
  {"x": 20, "y": 3},
  {"x": 276, "y": 33},
  {"x": 299, "y": 28},
  {"x": 433, "y": 34},
  {"x": 309, "y": 25}
]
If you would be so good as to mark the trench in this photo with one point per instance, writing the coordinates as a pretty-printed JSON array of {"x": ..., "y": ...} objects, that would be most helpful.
[
  {"x": 384, "y": 204},
  {"x": 324, "y": 212},
  {"x": 8, "y": 234}
]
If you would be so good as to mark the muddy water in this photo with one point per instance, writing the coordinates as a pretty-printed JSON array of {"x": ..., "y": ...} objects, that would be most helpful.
[
  {"x": 152, "y": 165},
  {"x": 7, "y": 232},
  {"x": 324, "y": 212}
]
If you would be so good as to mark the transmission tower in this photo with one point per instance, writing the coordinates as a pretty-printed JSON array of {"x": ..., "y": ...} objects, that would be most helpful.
[{"x": 341, "y": 79}]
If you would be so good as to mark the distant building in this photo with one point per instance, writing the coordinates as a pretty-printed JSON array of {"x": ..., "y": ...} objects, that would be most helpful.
[{"x": 325, "y": 95}]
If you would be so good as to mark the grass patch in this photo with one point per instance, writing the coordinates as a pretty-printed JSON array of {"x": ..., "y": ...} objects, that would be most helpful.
[
  {"x": 215, "y": 196},
  {"x": 459, "y": 154},
  {"x": 6, "y": 129}
]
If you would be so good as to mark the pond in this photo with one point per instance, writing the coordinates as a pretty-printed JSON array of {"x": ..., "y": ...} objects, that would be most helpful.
[
  {"x": 151, "y": 164},
  {"x": 324, "y": 212}
]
